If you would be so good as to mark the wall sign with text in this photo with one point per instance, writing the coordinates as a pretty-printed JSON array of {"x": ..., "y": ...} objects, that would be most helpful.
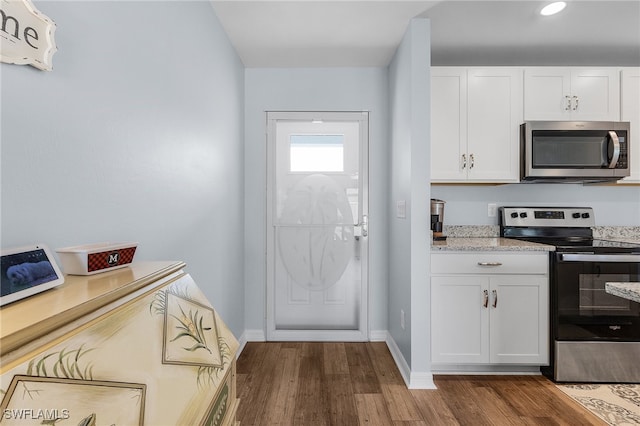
[{"x": 26, "y": 35}]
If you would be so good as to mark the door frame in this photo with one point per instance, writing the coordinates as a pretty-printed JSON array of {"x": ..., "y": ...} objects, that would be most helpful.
[{"x": 272, "y": 334}]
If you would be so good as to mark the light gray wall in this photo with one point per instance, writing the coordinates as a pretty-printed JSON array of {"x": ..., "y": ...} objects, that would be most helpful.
[
  {"x": 467, "y": 205},
  {"x": 409, "y": 286},
  {"x": 136, "y": 134},
  {"x": 317, "y": 89}
]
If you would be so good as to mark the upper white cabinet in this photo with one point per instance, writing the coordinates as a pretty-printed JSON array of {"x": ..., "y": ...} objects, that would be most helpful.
[
  {"x": 475, "y": 114},
  {"x": 630, "y": 111},
  {"x": 552, "y": 93}
]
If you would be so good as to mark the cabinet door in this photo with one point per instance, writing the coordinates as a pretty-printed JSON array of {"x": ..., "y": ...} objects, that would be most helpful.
[
  {"x": 519, "y": 319},
  {"x": 570, "y": 93},
  {"x": 595, "y": 94},
  {"x": 448, "y": 123},
  {"x": 459, "y": 321},
  {"x": 547, "y": 93},
  {"x": 494, "y": 113},
  {"x": 630, "y": 100}
]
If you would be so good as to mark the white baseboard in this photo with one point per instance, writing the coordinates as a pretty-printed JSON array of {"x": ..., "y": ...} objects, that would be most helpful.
[
  {"x": 494, "y": 370},
  {"x": 401, "y": 363},
  {"x": 378, "y": 335},
  {"x": 256, "y": 335},
  {"x": 242, "y": 341},
  {"x": 422, "y": 381},
  {"x": 249, "y": 336},
  {"x": 413, "y": 380}
]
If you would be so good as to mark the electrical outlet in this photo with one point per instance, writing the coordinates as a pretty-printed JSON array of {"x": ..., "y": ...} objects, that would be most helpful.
[
  {"x": 402, "y": 318},
  {"x": 492, "y": 208}
]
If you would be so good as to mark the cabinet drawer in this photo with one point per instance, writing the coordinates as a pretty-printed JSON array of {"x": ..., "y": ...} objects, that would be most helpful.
[{"x": 489, "y": 263}]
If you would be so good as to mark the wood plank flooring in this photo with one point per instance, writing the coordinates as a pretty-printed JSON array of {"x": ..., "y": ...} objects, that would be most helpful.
[{"x": 359, "y": 384}]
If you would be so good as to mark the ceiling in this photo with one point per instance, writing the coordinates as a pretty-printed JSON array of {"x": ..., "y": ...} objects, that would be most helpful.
[{"x": 365, "y": 33}]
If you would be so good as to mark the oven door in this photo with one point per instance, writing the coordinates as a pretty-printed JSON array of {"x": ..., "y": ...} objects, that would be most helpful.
[{"x": 583, "y": 309}]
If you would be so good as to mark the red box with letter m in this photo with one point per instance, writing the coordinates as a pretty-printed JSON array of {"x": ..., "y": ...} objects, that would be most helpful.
[{"x": 93, "y": 258}]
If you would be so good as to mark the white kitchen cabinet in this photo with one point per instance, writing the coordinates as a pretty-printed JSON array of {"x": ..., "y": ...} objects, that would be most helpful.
[
  {"x": 490, "y": 308},
  {"x": 571, "y": 93},
  {"x": 475, "y": 114},
  {"x": 630, "y": 111}
]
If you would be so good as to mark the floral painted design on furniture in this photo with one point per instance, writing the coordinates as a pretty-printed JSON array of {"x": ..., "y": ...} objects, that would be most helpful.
[
  {"x": 190, "y": 335},
  {"x": 66, "y": 363},
  {"x": 155, "y": 354},
  {"x": 76, "y": 401}
]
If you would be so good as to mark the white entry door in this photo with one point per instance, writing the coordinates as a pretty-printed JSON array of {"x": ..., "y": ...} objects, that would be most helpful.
[{"x": 317, "y": 226}]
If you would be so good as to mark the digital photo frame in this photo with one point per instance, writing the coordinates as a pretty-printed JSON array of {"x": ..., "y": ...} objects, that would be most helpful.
[{"x": 26, "y": 271}]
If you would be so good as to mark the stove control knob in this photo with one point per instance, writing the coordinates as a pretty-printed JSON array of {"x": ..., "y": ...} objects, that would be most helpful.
[
  {"x": 585, "y": 215},
  {"x": 514, "y": 215},
  {"x": 576, "y": 215},
  {"x": 523, "y": 215}
]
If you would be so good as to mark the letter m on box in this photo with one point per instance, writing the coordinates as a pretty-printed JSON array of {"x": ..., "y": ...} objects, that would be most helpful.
[{"x": 26, "y": 35}]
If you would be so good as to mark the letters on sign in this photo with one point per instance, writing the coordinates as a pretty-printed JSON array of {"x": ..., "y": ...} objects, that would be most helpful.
[
  {"x": 114, "y": 258},
  {"x": 26, "y": 35}
]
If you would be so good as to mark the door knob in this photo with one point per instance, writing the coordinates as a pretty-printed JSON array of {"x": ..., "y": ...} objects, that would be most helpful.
[{"x": 362, "y": 228}]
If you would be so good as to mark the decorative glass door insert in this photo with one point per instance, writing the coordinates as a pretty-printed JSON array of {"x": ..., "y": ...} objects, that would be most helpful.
[{"x": 316, "y": 226}]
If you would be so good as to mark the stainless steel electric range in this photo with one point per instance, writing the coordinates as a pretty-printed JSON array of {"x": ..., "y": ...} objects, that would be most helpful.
[{"x": 595, "y": 336}]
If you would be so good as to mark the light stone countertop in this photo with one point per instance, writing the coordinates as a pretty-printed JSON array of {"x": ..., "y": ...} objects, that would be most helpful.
[
  {"x": 487, "y": 238},
  {"x": 628, "y": 290},
  {"x": 627, "y": 234},
  {"x": 487, "y": 244}
]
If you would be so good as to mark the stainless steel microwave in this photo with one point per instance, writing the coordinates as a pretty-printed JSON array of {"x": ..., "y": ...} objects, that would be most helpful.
[{"x": 574, "y": 151}]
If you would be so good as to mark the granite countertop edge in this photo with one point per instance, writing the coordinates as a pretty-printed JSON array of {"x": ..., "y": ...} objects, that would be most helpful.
[
  {"x": 487, "y": 238},
  {"x": 487, "y": 244}
]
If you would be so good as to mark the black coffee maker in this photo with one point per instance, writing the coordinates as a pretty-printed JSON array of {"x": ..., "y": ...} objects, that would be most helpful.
[{"x": 437, "y": 219}]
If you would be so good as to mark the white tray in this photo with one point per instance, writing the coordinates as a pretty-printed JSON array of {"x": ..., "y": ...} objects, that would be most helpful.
[{"x": 91, "y": 259}]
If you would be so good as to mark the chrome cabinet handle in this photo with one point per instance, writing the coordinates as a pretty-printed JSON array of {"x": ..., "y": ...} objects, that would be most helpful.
[
  {"x": 464, "y": 161},
  {"x": 616, "y": 149},
  {"x": 575, "y": 104},
  {"x": 485, "y": 298},
  {"x": 472, "y": 160},
  {"x": 568, "y": 105},
  {"x": 489, "y": 264},
  {"x": 495, "y": 298}
]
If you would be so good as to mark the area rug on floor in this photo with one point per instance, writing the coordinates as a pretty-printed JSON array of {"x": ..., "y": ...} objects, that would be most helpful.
[{"x": 617, "y": 405}]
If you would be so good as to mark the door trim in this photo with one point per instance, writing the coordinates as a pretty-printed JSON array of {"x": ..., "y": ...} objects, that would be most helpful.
[{"x": 272, "y": 334}]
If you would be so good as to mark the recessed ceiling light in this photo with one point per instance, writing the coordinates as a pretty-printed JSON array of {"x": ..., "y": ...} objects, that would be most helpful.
[{"x": 553, "y": 8}]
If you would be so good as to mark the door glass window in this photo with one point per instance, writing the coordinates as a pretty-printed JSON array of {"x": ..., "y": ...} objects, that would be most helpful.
[{"x": 316, "y": 153}]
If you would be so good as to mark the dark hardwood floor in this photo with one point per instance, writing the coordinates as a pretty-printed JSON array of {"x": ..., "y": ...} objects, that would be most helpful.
[{"x": 359, "y": 384}]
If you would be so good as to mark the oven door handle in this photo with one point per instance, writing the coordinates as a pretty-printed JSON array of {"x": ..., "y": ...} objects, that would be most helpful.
[{"x": 583, "y": 257}]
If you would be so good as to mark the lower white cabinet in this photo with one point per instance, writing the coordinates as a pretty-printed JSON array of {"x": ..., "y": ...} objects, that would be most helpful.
[{"x": 485, "y": 312}]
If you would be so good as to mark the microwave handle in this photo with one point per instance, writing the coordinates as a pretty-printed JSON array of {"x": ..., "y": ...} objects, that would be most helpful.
[{"x": 616, "y": 149}]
